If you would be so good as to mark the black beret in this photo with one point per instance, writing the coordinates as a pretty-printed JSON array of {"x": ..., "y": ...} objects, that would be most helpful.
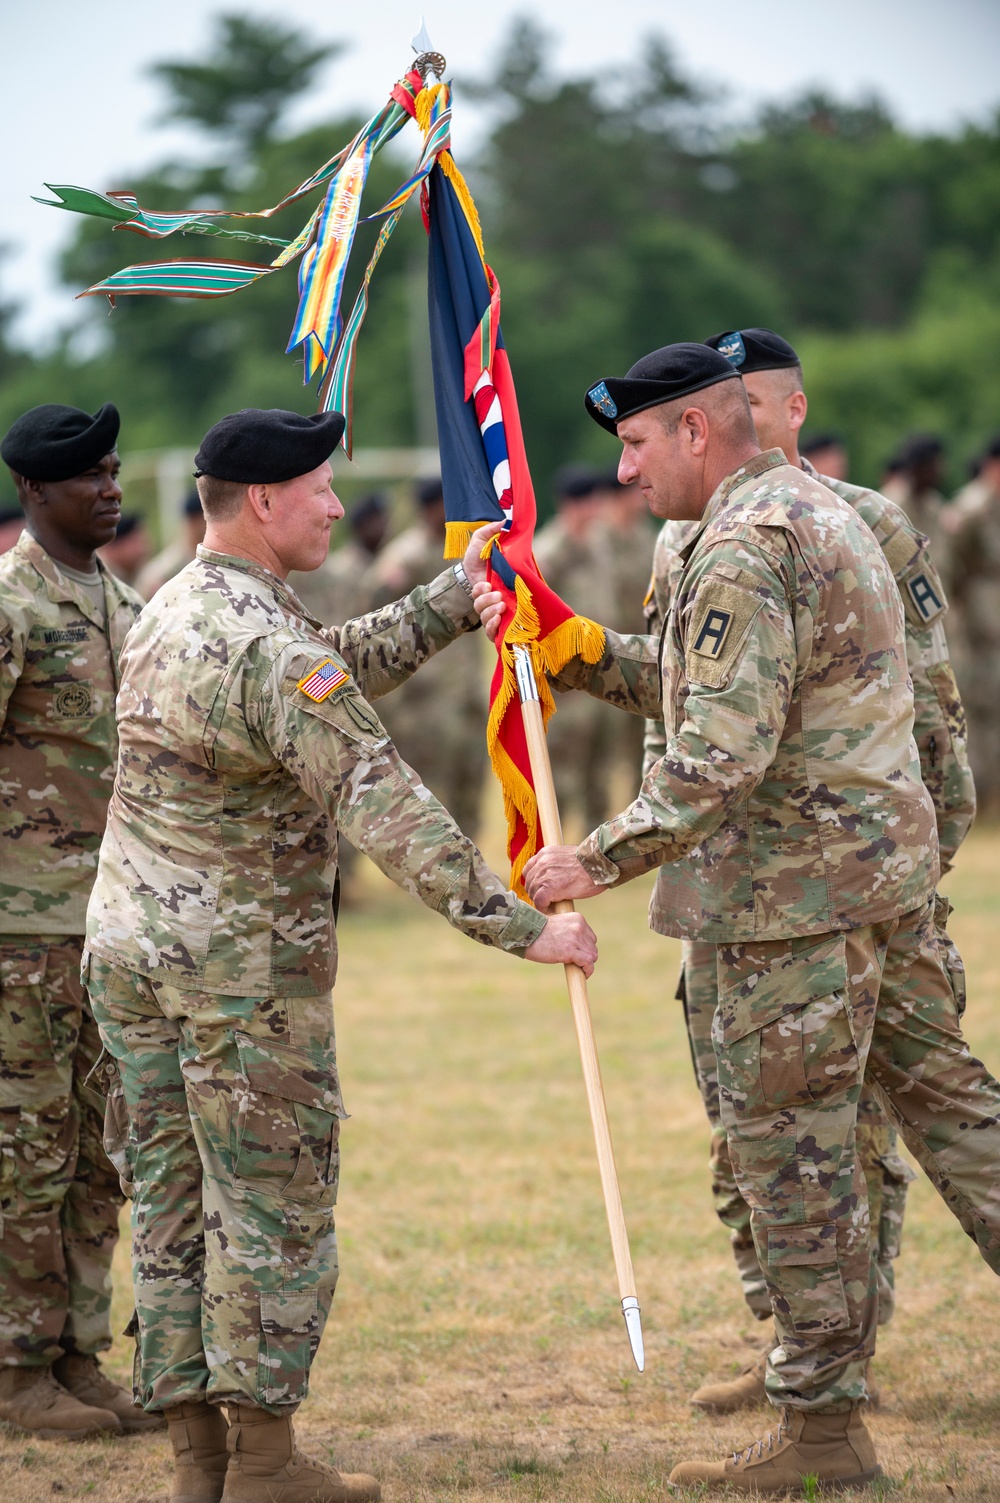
[
  {"x": 192, "y": 505},
  {"x": 664, "y": 376},
  {"x": 918, "y": 449},
  {"x": 750, "y": 350},
  {"x": 11, "y": 513},
  {"x": 427, "y": 492},
  {"x": 129, "y": 522},
  {"x": 372, "y": 505},
  {"x": 813, "y": 442},
  {"x": 263, "y": 446},
  {"x": 54, "y": 442},
  {"x": 575, "y": 482}
]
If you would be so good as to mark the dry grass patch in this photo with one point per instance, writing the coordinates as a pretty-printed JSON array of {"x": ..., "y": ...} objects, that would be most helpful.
[{"x": 476, "y": 1350}]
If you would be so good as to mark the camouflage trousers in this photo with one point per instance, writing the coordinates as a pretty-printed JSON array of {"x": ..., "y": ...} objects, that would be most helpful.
[
  {"x": 799, "y": 1025},
  {"x": 59, "y": 1196},
  {"x": 887, "y": 1176},
  {"x": 224, "y": 1119}
]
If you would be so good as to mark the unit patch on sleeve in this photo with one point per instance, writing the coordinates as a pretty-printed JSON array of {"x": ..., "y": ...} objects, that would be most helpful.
[
  {"x": 719, "y": 625},
  {"x": 320, "y": 682},
  {"x": 927, "y": 595}
]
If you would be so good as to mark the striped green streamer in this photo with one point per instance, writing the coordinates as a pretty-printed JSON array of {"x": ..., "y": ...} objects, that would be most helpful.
[
  {"x": 336, "y": 394},
  {"x": 179, "y": 279}
]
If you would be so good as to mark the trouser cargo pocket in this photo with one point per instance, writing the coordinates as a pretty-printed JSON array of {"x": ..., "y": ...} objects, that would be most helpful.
[
  {"x": 289, "y": 1336},
  {"x": 804, "y": 1272},
  {"x": 103, "y": 1088},
  {"x": 783, "y": 1031},
  {"x": 287, "y": 1110}
]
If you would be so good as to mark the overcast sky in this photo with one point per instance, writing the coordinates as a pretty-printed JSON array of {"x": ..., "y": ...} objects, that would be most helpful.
[{"x": 77, "y": 106}]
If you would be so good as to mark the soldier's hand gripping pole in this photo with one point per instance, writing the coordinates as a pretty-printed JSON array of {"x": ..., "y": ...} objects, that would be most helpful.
[{"x": 576, "y": 982}]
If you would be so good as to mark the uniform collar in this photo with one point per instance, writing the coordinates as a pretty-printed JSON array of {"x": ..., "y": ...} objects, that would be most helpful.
[
  {"x": 770, "y": 459},
  {"x": 59, "y": 586},
  {"x": 284, "y": 594}
]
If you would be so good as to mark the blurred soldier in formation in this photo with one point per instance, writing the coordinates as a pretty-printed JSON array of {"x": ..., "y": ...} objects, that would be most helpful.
[
  {"x": 583, "y": 733},
  {"x": 129, "y": 550},
  {"x": 336, "y": 592},
  {"x": 11, "y": 527},
  {"x": 973, "y": 524},
  {"x": 63, "y": 619},
  {"x": 626, "y": 541},
  {"x": 914, "y": 483},
  {"x": 772, "y": 377},
  {"x": 438, "y": 718},
  {"x": 211, "y": 976},
  {"x": 827, "y": 453},
  {"x": 177, "y": 554}
]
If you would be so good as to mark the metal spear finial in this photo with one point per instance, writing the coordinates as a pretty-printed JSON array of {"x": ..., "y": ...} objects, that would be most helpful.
[{"x": 427, "y": 60}]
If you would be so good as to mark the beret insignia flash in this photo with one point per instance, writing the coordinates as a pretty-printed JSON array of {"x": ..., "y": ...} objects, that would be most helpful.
[
  {"x": 603, "y": 400},
  {"x": 732, "y": 346}
]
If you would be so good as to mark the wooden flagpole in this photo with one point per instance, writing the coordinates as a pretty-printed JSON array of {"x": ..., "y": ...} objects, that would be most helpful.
[{"x": 576, "y": 983}]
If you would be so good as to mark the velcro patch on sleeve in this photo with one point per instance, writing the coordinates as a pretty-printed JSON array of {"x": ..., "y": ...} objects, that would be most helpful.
[
  {"x": 923, "y": 594},
  {"x": 919, "y": 583},
  {"x": 718, "y": 632},
  {"x": 320, "y": 682}
]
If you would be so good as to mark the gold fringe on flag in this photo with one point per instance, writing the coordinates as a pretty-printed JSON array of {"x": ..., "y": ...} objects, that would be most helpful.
[
  {"x": 577, "y": 637},
  {"x": 458, "y": 536}
]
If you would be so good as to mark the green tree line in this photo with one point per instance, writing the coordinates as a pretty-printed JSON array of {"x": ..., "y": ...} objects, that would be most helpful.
[{"x": 620, "y": 213}]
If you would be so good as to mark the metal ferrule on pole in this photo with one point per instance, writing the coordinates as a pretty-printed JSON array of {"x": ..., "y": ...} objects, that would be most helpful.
[{"x": 527, "y": 686}]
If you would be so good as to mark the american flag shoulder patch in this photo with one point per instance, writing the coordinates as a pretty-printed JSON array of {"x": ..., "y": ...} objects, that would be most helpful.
[{"x": 320, "y": 682}]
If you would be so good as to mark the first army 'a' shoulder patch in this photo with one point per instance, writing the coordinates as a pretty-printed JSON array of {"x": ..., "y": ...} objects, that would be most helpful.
[
  {"x": 718, "y": 632},
  {"x": 321, "y": 681}
]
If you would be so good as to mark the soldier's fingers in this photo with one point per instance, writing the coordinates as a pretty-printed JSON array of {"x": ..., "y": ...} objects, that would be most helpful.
[{"x": 472, "y": 560}]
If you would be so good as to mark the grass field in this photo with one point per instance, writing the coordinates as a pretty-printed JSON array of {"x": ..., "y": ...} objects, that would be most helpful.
[{"x": 476, "y": 1350}]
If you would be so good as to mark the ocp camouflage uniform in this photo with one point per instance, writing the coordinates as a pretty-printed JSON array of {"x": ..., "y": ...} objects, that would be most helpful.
[
  {"x": 791, "y": 778},
  {"x": 246, "y": 745},
  {"x": 59, "y": 1197},
  {"x": 939, "y": 730},
  {"x": 973, "y": 519},
  {"x": 582, "y": 735},
  {"x": 438, "y": 719}
]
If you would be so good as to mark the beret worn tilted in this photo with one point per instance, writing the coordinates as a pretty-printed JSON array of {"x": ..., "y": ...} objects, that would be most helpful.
[
  {"x": 265, "y": 445},
  {"x": 749, "y": 350},
  {"x": 666, "y": 375},
  {"x": 53, "y": 442}
]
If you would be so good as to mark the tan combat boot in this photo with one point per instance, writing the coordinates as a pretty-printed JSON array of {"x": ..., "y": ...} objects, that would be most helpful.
[
  {"x": 82, "y": 1377},
  {"x": 836, "y": 1449},
  {"x": 32, "y": 1400},
  {"x": 266, "y": 1466},
  {"x": 198, "y": 1435},
  {"x": 741, "y": 1392}
]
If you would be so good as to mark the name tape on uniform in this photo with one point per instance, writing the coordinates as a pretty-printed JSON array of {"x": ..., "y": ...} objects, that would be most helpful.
[{"x": 321, "y": 681}]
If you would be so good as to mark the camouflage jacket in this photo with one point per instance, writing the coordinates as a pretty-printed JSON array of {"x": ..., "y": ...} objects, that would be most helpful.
[
  {"x": 246, "y": 742},
  {"x": 939, "y": 719},
  {"x": 58, "y": 680},
  {"x": 790, "y": 774}
]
